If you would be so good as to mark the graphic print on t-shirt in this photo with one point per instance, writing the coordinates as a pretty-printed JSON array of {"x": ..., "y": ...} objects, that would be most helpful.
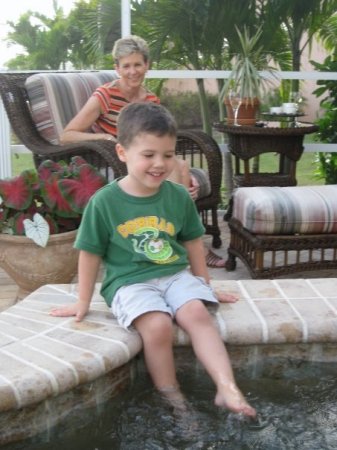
[{"x": 147, "y": 235}]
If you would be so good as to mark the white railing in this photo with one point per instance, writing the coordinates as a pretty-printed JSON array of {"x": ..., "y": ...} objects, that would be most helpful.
[{"x": 6, "y": 149}]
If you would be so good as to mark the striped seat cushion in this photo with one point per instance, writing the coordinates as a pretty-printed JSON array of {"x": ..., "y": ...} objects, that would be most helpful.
[
  {"x": 55, "y": 98},
  {"x": 287, "y": 210}
]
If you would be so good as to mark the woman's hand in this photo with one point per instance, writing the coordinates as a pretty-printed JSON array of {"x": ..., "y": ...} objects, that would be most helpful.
[{"x": 194, "y": 188}]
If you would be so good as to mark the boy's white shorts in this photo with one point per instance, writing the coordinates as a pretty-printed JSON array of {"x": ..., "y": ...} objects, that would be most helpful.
[{"x": 165, "y": 294}]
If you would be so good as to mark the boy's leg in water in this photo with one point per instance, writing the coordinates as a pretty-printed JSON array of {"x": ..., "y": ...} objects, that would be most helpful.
[
  {"x": 194, "y": 318},
  {"x": 156, "y": 330}
]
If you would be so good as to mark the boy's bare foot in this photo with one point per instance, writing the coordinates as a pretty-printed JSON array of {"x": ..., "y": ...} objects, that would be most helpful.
[
  {"x": 184, "y": 415},
  {"x": 229, "y": 396},
  {"x": 174, "y": 397}
]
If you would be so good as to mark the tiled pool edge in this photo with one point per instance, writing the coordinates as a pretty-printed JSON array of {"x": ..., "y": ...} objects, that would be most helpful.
[{"x": 42, "y": 358}]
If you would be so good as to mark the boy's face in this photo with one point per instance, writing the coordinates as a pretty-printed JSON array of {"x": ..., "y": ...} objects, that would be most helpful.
[{"x": 150, "y": 160}]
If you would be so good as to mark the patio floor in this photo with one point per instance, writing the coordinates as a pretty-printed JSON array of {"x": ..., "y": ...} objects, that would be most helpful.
[{"x": 8, "y": 288}]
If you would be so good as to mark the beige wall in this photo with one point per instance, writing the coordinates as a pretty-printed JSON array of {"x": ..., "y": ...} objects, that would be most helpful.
[{"x": 312, "y": 107}]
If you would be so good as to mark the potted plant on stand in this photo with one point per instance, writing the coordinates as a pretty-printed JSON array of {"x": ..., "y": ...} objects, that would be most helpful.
[
  {"x": 40, "y": 211},
  {"x": 246, "y": 83}
]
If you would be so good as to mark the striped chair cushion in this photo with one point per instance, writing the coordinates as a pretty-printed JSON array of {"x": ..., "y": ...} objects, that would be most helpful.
[
  {"x": 287, "y": 210},
  {"x": 55, "y": 98}
]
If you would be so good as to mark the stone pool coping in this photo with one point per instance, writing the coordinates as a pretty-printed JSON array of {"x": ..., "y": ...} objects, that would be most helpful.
[{"x": 43, "y": 356}]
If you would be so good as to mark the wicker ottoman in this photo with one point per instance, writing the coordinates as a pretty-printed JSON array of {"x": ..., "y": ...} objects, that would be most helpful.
[{"x": 280, "y": 230}]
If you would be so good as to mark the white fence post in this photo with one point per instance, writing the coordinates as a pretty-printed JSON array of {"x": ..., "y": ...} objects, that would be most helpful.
[
  {"x": 5, "y": 148},
  {"x": 126, "y": 17}
]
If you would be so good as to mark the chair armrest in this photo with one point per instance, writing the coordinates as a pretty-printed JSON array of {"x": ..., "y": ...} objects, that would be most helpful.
[{"x": 202, "y": 152}]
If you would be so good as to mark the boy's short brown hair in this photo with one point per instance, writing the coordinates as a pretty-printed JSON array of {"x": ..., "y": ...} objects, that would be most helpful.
[{"x": 146, "y": 117}]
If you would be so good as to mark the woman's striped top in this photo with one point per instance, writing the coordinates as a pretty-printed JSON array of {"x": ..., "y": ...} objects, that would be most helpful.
[{"x": 112, "y": 101}]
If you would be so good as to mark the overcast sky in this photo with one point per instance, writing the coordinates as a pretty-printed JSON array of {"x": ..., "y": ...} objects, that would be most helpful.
[{"x": 13, "y": 10}]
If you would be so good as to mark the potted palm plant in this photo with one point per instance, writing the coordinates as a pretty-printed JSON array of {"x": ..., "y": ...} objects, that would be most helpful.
[
  {"x": 244, "y": 88},
  {"x": 40, "y": 211}
]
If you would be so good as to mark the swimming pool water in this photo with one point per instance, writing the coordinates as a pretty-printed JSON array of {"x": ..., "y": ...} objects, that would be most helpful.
[{"x": 297, "y": 405}]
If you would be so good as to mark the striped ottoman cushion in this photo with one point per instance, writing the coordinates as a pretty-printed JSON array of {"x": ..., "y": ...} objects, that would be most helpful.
[
  {"x": 287, "y": 210},
  {"x": 55, "y": 98}
]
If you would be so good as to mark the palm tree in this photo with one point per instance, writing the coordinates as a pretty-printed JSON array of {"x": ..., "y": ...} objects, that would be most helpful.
[
  {"x": 44, "y": 40},
  {"x": 193, "y": 34},
  {"x": 302, "y": 21}
]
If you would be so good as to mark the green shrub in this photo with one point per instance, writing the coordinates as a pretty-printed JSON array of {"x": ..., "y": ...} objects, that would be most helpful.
[
  {"x": 327, "y": 162},
  {"x": 185, "y": 107}
]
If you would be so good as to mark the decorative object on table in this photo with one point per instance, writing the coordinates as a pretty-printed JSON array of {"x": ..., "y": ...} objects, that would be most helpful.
[
  {"x": 296, "y": 97},
  {"x": 289, "y": 108},
  {"x": 275, "y": 110},
  {"x": 235, "y": 101},
  {"x": 40, "y": 211},
  {"x": 246, "y": 75}
]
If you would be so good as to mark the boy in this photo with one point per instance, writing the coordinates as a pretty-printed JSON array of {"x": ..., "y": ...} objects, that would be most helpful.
[{"x": 147, "y": 231}]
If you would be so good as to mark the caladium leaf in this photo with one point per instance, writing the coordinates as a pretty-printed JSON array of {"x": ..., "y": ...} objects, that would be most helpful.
[
  {"x": 17, "y": 222},
  {"x": 16, "y": 193},
  {"x": 78, "y": 191},
  {"x": 37, "y": 230},
  {"x": 52, "y": 195},
  {"x": 77, "y": 161},
  {"x": 48, "y": 168}
]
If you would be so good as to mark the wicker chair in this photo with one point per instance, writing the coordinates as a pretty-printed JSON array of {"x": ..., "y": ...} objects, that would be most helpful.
[{"x": 199, "y": 148}]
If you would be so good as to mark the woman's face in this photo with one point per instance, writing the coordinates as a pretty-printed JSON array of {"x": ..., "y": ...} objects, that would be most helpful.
[{"x": 132, "y": 69}]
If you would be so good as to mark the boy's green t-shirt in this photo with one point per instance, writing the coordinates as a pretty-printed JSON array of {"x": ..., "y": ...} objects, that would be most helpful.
[{"x": 138, "y": 238}]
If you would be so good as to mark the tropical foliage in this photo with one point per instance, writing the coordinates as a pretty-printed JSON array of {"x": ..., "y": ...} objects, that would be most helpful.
[
  {"x": 44, "y": 41},
  {"x": 251, "y": 59},
  {"x": 190, "y": 34},
  {"x": 47, "y": 200},
  {"x": 327, "y": 162},
  {"x": 302, "y": 20}
]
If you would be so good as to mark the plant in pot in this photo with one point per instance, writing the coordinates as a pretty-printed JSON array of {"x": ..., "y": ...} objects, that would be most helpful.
[
  {"x": 246, "y": 84},
  {"x": 40, "y": 211}
]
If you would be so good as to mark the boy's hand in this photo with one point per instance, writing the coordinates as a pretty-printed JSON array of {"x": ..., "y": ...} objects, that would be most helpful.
[
  {"x": 78, "y": 309},
  {"x": 223, "y": 297}
]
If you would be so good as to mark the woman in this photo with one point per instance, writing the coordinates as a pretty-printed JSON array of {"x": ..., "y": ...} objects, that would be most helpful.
[{"x": 98, "y": 117}]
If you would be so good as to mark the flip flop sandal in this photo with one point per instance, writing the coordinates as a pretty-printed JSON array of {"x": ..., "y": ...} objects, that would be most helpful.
[{"x": 214, "y": 261}]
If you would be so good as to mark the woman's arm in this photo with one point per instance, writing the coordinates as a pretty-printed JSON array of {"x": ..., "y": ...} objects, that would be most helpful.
[{"x": 77, "y": 128}]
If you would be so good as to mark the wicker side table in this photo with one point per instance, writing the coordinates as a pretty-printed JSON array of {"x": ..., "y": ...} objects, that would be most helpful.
[{"x": 247, "y": 142}]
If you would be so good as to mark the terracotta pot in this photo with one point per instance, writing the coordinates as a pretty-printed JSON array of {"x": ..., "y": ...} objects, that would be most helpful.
[
  {"x": 247, "y": 112},
  {"x": 31, "y": 266}
]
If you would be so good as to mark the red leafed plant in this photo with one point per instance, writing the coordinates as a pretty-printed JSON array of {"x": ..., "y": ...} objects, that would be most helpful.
[{"x": 47, "y": 200}]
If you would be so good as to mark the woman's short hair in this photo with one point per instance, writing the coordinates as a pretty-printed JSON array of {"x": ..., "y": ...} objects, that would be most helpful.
[{"x": 128, "y": 45}]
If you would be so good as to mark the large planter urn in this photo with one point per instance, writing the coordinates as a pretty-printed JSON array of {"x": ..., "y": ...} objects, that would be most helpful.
[{"x": 31, "y": 266}]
